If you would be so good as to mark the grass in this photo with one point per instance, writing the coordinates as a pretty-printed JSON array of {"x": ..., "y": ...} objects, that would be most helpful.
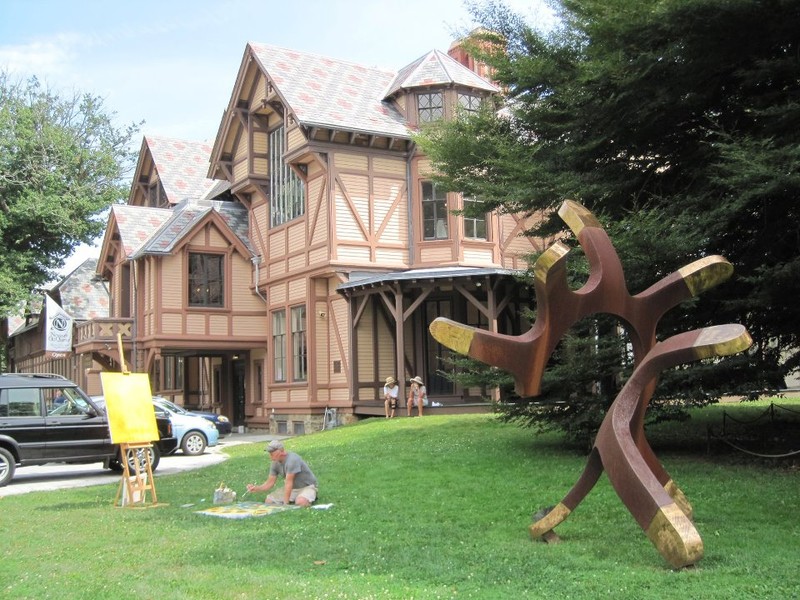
[{"x": 423, "y": 508}]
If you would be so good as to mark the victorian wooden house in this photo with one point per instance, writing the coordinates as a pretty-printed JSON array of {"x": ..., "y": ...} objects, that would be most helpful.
[
  {"x": 298, "y": 262},
  {"x": 356, "y": 248}
]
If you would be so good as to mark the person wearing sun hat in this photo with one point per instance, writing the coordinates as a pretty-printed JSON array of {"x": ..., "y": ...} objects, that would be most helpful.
[
  {"x": 417, "y": 396},
  {"x": 300, "y": 484},
  {"x": 390, "y": 393}
]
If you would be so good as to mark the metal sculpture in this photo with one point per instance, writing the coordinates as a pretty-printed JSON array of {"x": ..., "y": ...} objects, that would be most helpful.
[{"x": 645, "y": 487}]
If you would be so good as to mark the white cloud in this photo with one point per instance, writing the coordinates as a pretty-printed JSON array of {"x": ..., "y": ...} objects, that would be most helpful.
[{"x": 42, "y": 57}]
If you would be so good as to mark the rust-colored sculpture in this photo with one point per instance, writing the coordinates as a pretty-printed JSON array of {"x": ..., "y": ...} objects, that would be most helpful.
[{"x": 644, "y": 486}]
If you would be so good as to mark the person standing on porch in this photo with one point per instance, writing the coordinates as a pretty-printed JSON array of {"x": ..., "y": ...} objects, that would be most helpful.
[
  {"x": 390, "y": 393},
  {"x": 417, "y": 396}
]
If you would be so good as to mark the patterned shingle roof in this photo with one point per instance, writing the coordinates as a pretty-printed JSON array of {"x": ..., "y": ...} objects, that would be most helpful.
[
  {"x": 136, "y": 224},
  {"x": 326, "y": 92},
  {"x": 182, "y": 167},
  {"x": 183, "y": 218},
  {"x": 435, "y": 69},
  {"x": 82, "y": 294}
]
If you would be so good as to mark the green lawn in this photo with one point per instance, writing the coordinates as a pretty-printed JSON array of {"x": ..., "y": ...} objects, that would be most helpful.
[{"x": 436, "y": 507}]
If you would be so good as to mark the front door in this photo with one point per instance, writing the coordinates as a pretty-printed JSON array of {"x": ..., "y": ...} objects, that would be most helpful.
[{"x": 239, "y": 392}]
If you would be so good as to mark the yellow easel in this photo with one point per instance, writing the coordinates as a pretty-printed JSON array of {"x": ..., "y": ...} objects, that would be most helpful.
[{"x": 133, "y": 426}]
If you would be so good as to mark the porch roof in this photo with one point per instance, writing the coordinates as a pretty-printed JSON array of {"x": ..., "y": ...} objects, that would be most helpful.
[{"x": 361, "y": 280}]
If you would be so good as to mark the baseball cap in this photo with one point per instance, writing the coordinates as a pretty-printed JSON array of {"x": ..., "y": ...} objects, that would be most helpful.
[{"x": 274, "y": 445}]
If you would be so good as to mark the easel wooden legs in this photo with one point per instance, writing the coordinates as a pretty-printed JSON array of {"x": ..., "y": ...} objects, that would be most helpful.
[{"x": 134, "y": 487}]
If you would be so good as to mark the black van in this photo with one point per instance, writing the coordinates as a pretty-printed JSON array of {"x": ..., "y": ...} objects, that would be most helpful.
[{"x": 47, "y": 418}]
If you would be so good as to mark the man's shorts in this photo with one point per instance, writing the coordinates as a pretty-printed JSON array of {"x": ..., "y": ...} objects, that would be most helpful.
[{"x": 309, "y": 493}]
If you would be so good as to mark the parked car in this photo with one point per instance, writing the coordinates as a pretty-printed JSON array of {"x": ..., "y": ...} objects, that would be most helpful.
[
  {"x": 48, "y": 419},
  {"x": 194, "y": 433},
  {"x": 221, "y": 422},
  {"x": 166, "y": 445}
]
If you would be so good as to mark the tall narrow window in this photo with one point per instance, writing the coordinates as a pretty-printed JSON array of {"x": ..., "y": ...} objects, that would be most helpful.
[
  {"x": 434, "y": 212},
  {"x": 474, "y": 227},
  {"x": 430, "y": 107},
  {"x": 206, "y": 280},
  {"x": 286, "y": 189},
  {"x": 279, "y": 345},
  {"x": 259, "y": 376},
  {"x": 173, "y": 372},
  {"x": 299, "y": 348},
  {"x": 169, "y": 372}
]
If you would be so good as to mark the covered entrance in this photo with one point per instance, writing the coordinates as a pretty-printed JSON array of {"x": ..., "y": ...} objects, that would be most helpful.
[
  {"x": 205, "y": 380},
  {"x": 390, "y": 314}
]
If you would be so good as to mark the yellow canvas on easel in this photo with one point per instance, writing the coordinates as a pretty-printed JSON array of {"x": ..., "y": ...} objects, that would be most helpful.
[{"x": 132, "y": 421}]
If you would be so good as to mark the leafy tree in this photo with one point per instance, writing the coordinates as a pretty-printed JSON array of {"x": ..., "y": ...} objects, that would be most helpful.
[
  {"x": 61, "y": 165},
  {"x": 677, "y": 122}
]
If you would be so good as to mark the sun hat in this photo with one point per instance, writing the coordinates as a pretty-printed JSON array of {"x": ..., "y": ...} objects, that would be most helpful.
[
  {"x": 390, "y": 380},
  {"x": 417, "y": 379},
  {"x": 274, "y": 445}
]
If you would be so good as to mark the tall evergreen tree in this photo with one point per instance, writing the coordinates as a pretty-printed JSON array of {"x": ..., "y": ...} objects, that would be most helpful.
[{"x": 677, "y": 122}]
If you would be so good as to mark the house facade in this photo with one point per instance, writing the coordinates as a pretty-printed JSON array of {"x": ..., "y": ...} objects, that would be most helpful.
[{"x": 291, "y": 267}]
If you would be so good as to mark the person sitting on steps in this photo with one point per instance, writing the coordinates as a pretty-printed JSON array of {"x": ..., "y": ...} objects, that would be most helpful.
[{"x": 417, "y": 396}]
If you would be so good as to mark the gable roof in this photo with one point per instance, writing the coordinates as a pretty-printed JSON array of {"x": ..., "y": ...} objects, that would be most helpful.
[
  {"x": 436, "y": 69},
  {"x": 82, "y": 293},
  {"x": 326, "y": 92},
  {"x": 182, "y": 167},
  {"x": 183, "y": 219},
  {"x": 136, "y": 224}
]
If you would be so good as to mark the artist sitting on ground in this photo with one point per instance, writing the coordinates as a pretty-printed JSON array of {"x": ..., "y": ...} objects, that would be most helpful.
[{"x": 300, "y": 485}]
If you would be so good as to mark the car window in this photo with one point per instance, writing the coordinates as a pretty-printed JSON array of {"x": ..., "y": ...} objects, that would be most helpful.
[
  {"x": 65, "y": 401},
  {"x": 172, "y": 407},
  {"x": 20, "y": 402}
]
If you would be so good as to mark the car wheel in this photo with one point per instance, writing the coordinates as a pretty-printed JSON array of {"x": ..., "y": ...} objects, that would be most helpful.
[
  {"x": 7, "y": 466},
  {"x": 138, "y": 454},
  {"x": 194, "y": 443}
]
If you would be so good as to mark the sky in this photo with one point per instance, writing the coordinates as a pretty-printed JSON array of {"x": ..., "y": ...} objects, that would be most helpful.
[{"x": 172, "y": 63}]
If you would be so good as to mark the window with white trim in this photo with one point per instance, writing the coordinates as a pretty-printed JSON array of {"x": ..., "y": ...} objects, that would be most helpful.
[
  {"x": 299, "y": 347},
  {"x": 279, "y": 345},
  {"x": 434, "y": 212},
  {"x": 474, "y": 227}
]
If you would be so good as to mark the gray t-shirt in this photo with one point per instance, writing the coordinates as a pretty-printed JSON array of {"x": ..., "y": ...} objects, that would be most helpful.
[{"x": 294, "y": 464}]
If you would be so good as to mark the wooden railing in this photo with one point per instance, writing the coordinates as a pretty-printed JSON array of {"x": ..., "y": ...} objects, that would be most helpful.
[{"x": 103, "y": 330}]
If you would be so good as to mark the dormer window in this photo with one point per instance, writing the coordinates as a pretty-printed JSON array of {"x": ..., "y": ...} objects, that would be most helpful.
[{"x": 430, "y": 106}]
